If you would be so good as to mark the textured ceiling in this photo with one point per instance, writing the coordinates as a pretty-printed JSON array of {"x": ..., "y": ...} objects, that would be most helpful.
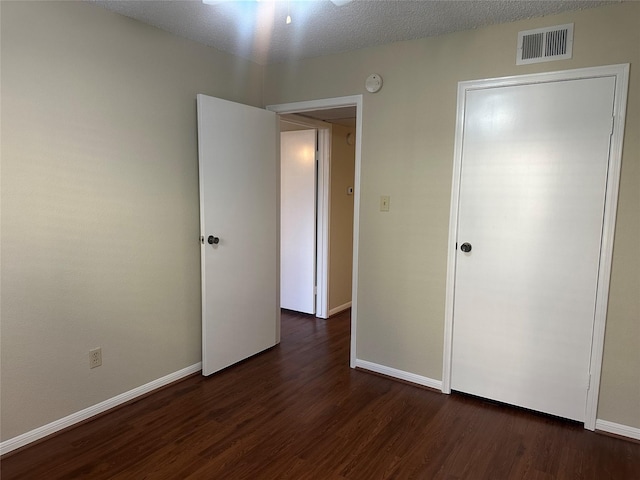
[{"x": 257, "y": 30}]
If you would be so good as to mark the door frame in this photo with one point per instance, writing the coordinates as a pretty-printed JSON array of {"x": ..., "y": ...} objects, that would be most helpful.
[
  {"x": 323, "y": 192},
  {"x": 621, "y": 75},
  {"x": 328, "y": 104}
]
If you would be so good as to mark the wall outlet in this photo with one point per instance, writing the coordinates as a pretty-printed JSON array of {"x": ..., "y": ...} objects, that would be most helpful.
[{"x": 95, "y": 357}]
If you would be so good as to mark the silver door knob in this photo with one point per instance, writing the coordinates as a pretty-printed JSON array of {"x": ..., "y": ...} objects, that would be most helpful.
[
  {"x": 213, "y": 240},
  {"x": 465, "y": 247}
]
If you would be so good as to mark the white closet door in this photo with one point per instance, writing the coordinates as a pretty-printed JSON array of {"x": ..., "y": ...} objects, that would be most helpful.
[
  {"x": 298, "y": 220},
  {"x": 532, "y": 191}
]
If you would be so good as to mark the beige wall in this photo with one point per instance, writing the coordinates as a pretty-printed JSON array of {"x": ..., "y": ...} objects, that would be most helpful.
[
  {"x": 407, "y": 152},
  {"x": 99, "y": 203},
  {"x": 343, "y": 161}
]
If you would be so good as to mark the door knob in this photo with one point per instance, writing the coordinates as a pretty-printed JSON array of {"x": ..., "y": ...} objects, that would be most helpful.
[
  {"x": 465, "y": 247},
  {"x": 213, "y": 240}
]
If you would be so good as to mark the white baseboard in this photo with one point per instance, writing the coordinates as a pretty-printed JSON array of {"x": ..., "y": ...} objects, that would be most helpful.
[
  {"x": 617, "y": 429},
  {"x": 70, "y": 420},
  {"x": 399, "y": 374},
  {"x": 340, "y": 308}
]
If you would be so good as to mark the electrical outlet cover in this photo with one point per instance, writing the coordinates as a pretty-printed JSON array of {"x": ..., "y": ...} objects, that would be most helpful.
[{"x": 95, "y": 357}]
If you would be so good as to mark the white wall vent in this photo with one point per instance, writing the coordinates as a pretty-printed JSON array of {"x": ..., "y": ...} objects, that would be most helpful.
[{"x": 545, "y": 44}]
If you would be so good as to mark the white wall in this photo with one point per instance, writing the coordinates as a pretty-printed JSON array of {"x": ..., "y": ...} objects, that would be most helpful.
[
  {"x": 100, "y": 218},
  {"x": 407, "y": 153}
]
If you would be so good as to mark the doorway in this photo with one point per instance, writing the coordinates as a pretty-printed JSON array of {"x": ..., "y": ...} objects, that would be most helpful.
[
  {"x": 239, "y": 237},
  {"x": 326, "y": 106},
  {"x": 317, "y": 207}
]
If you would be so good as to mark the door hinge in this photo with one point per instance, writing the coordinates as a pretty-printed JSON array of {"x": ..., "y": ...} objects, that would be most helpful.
[
  {"x": 613, "y": 121},
  {"x": 315, "y": 290}
]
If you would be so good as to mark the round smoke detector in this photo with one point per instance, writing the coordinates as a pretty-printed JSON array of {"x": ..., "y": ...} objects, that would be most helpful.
[{"x": 373, "y": 83}]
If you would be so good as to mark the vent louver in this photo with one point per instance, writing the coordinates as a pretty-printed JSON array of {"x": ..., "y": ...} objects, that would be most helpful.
[{"x": 545, "y": 44}]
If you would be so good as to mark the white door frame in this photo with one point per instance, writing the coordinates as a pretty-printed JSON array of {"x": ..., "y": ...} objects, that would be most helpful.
[
  {"x": 621, "y": 74},
  {"x": 327, "y": 104},
  {"x": 323, "y": 193}
]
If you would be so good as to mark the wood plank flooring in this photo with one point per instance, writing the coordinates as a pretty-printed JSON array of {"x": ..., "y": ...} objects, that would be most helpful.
[{"x": 298, "y": 411}]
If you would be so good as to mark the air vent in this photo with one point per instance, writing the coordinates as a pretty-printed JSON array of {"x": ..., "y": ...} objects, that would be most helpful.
[{"x": 545, "y": 44}]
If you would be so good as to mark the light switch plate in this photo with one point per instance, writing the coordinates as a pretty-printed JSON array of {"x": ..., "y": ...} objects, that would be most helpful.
[{"x": 384, "y": 203}]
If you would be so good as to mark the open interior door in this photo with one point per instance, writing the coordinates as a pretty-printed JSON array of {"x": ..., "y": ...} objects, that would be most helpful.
[
  {"x": 298, "y": 220},
  {"x": 239, "y": 225}
]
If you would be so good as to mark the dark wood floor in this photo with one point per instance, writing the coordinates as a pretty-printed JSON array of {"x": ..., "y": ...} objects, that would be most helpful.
[{"x": 298, "y": 411}]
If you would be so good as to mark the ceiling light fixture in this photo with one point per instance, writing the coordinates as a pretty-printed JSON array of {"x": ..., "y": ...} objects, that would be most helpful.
[
  {"x": 288, "y": 20},
  {"x": 337, "y": 3}
]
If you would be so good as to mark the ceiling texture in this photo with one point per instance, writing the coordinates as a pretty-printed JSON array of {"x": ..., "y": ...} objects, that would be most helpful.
[{"x": 256, "y": 29}]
